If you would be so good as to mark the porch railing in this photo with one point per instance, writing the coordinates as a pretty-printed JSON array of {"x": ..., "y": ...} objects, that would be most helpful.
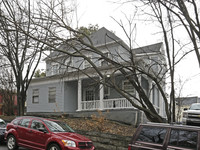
[
  {"x": 116, "y": 103},
  {"x": 90, "y": 105},
  {"x": 120, "y": 103}
]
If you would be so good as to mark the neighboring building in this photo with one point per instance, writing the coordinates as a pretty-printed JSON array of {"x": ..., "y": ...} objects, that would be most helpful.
[
  {"x": 11, "y": 105},
  {"x": 184, "y": 103},
  {"x": 66, "y": 90}
]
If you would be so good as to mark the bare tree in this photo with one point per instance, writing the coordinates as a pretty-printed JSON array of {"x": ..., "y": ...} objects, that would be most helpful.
[
  {"x": 21, "y": 51},
  {"x": 173, "y": 15},
  {"x": 6, "y": 87},
  {"x": 67, "y": 41},
  {"x": 187, "y": 12}
]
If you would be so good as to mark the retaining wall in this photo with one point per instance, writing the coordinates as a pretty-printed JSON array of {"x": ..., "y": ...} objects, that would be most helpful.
[{"x": 103, "y": 141}]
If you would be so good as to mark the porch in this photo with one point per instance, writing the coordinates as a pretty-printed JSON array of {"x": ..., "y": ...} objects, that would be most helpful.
[
  {"x": 99, "y": 98},
  {"x": 120, "y": 103}
]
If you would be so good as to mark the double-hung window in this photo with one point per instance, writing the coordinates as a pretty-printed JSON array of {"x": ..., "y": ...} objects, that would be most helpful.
[
  {"x": 52, "y": 94},
  {"x": 35, "y": 97},
  {"x": 55, "y": 69}
]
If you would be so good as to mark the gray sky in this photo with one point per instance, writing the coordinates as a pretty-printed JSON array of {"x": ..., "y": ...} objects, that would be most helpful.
[{"x": 102, "y": 12}]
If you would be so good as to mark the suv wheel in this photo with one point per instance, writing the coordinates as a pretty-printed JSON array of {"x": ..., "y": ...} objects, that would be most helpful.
[
  {"x": 54, "y": 147},
  {"x": 11, "y": 143}
]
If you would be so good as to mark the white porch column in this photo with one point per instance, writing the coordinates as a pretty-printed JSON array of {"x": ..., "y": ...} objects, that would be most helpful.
[
  {"x": 101, "y": 96},
  {"x": 79, "y": 94}
]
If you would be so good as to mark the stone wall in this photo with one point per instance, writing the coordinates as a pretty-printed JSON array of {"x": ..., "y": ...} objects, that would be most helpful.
[{"x": 103, "y": 141}]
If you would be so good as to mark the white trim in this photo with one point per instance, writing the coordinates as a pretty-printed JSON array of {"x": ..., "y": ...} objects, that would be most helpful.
[
  {"x": 101, "y": 92},
  {"x": 79, "y": 94}
]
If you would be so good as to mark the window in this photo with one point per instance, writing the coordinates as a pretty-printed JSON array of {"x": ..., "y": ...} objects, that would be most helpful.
[
  {"x": 152, "y": 135},
  {"x": 155, "y": 98},
  {"x": 106, "y": 91},
  {"x": 183, "y": 139},
  {"x": 35, "y": 98},
  {"x": 52, "y": 95},
  {"x": 37, "y": 125},
  {"x": 86, "y": 63},
  {"x": 15, "y": 122},
  {"x": 24, "y": 122},
  {"x": 128, "y": 87},
  {"x": 89, "y": 95},
  {"x": 155, "y": 63},
  {"x": 55, "y": 69},
  {"x": 145, "y": 84}
]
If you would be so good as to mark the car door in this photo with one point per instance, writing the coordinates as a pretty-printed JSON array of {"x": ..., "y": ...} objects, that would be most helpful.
[
  {"x": 150, "y": 138},
  {"x": 183, "y": 139},
  {"x": 22, "y": 130},
  {"x": 38, "y": 134}
]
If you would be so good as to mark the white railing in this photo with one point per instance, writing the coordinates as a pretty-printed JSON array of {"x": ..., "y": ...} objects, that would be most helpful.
[
  {"x": 90, "y": 105},
  {"x": 116, "y": 103},
  {"x": 107, "y": 104}
]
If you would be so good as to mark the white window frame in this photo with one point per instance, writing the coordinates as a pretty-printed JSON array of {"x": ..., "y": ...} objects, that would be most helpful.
[
  {"x": 54, "y": 68},
  {"x": 85, "y": 94},
  {"x": 52, "y": 95},
  {"x": 156, "y": 102},
  {"x": 35, "y": 96}
]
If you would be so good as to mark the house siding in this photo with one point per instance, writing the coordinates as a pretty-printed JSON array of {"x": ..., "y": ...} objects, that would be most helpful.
[
  {"x": 70, "y": 96},
  {"x": 44, "y": 105}
]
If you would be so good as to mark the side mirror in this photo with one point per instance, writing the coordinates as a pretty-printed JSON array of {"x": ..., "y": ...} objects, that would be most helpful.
[
  {"x": 185, "y": 109},
  {"x": 42, "y": 130}
]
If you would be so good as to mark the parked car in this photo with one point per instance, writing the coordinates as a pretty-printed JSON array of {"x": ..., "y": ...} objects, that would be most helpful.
[
  {"x": 156, "y": 136},
  {"x": 44, "y": 134},
  {"x": 191, "y": 116},
  {"x": 2, "y": 130}
]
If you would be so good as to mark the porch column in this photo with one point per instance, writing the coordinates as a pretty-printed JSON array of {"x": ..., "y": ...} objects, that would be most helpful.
[
  {"x": 101, "y": 96},
  {"x": 79, "y": 94}
]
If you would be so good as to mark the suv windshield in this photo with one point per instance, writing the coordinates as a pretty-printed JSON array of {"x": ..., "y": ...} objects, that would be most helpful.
[
  {"x": 195, "y": 107},
  {"x": 58, "y": 126}
]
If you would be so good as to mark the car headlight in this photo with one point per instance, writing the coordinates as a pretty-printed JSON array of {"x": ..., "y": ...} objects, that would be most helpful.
[{"x": 69, "y": 143}]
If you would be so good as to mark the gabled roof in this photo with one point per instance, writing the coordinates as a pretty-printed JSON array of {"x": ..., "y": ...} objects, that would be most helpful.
[
  {"x": 102, "y": 37},
  {"x": 154, "y": 48},
  {"x": 98, "y": 38}
]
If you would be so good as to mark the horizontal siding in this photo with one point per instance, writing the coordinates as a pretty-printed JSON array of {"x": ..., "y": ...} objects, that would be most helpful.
[{"x": 44, "y": 105}]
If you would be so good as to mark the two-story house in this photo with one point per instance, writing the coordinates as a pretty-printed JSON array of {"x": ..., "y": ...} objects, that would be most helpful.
[{"x": 69, "y": 86}]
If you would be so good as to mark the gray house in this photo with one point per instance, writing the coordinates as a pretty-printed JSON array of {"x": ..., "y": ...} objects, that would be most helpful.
[{"x": 69, "y": 90}]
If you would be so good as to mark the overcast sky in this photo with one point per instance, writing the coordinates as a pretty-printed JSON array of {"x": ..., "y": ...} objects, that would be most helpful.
[{"x": 102, "y": 12}]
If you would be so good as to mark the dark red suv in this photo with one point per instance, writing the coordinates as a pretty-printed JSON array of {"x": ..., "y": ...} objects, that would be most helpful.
[{"x": 44, "y": 134}]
